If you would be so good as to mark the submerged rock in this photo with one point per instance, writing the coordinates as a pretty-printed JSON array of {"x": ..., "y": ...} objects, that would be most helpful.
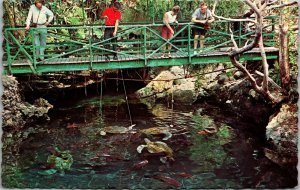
[{"x": 282, "y": 133}]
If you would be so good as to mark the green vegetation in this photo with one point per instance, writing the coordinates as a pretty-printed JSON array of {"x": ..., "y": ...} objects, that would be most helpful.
[
  {"x": 75, "y": 12},
  {"x": 208, "y": 149},
  {"x": 62, "y": 162}
]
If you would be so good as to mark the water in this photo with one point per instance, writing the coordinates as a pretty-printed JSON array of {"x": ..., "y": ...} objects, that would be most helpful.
[{"x": 231, "y": 158}]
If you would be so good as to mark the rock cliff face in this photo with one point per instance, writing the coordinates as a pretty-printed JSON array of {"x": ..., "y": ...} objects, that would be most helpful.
[
  {"x": 282, "y": 134},
  {"x": 16, "y": 114}
]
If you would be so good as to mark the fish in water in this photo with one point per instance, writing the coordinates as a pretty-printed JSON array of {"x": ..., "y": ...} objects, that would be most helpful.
[
  {"x": 136, "y": 166},
  {"x": 72, "y": 126},
  {"x": 186, "y": 175},
  {"x": 139, "y": 165},
  {"x": 167, "y": 180}
]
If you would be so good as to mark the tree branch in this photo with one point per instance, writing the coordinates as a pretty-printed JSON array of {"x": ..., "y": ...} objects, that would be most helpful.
[
  {"x": 282, "y": 5},
  {"x": 269, "y": 79},
  {"x": 252, "y": 6},
  {"x": 232, "y": 39},
  {"x": 234, "y": 20}
]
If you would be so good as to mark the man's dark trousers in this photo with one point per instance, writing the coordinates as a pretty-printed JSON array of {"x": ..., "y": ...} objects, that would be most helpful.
[{"x": 108, "y": 33}]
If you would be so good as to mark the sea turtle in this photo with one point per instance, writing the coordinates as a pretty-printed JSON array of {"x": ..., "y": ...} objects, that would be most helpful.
[
  {"x": 157, "y": 147},
  {"x": 116, "y": 130},
  {"x": 167, "y": 131},
  {"x": 158, "y": 131}
]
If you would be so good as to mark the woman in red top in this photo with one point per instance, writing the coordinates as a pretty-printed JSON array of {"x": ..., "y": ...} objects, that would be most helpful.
[{"x": 112, "y": 16}]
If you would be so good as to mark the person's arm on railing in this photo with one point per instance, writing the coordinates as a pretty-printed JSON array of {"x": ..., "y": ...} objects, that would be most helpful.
[
  {"x": 29, "y": 17},
  {"x": 194, "y": 20},
  {"x": 210, "y": 18},
  {"x": 166, "y": 21}
]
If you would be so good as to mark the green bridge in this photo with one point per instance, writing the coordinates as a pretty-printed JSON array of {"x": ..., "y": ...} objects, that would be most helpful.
[{"x": 77, "y": 48}]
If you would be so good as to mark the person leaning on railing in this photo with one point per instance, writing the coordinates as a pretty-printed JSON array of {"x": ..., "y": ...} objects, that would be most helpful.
[
  {"x": 40, "y": 16},
  {"x": 201, "y": 17},
  {"x": 112, "y": 16},
  {"x": 167, "y": 31}
]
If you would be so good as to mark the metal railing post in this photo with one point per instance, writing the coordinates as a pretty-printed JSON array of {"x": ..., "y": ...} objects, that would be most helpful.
[
  {"x": 31, "y": 32},
  {"x": 145, "y": 44},
  {"x": 189, "y": 42},
  {"x": 240, "y": 33},
  {"x": 9, "y": 62},
  {"x": 90, "y": 46}
]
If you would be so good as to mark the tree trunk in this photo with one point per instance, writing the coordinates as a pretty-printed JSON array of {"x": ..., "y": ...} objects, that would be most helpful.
[{"x": 284, "y": 64}]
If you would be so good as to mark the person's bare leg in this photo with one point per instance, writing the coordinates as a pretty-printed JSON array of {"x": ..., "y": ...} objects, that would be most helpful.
[
  {"x": 202, "y": 41},
  {"x": 196, "y": 38},
  {"x": 169, "y": 48},
  {"x": 163, "y": 54}
]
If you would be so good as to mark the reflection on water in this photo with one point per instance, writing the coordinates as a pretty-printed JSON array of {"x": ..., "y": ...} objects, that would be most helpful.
[{"x": 226, "y": 158}]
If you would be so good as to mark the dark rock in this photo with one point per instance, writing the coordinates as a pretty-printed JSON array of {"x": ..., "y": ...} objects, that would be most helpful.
[{"x": 238, "y": 75}]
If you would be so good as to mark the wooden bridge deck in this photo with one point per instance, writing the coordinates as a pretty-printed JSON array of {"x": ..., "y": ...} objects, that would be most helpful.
[{"x": 131, "y": 61}]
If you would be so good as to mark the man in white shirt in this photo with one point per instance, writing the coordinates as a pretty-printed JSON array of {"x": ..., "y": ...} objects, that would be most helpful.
[
  {"x": 203, "y": 18},
  {"x": 40, "y": 16}
]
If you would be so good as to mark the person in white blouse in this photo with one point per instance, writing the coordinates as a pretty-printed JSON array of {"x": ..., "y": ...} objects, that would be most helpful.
[
  {"x": 168, "y": 28},
  {"x": 40, "y": 16}
]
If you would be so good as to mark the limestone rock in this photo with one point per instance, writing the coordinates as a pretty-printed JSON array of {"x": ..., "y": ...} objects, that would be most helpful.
[
  {"x": 15, "y": 111},
  {"x": 160, "y": 84},
  {"x": 282, "y": 133},
  {"x": 163, "y": 86}
]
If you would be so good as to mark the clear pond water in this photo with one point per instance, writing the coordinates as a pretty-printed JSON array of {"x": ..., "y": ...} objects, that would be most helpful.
[{"x": 230, "y": 158}]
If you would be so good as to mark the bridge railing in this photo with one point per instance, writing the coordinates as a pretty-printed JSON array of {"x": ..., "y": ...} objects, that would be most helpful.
[{"x": 138, "y": 42}]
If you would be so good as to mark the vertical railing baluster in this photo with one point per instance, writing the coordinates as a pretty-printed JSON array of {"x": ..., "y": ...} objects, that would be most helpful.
[
  {"x": 145, "y": 44},
  {"x": 240, "y": 33},
  {"x": 9, "y": 62},
  {"x": 189, "y": 43},
  {"x": 31, "y": 33},
  {"x": 90, "y": 46}
]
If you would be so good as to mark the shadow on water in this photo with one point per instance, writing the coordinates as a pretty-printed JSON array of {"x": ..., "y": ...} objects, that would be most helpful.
[{"x": 231, "y": 157}]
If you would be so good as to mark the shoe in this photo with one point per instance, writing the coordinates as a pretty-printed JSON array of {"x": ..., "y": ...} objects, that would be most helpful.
[
  {"x": 115, "y": 57},
  {"x": 107, "y": 58},
  {"x": 169, "y": 55},
  {"x": 195, "y": 53},
  {"x": 200, "y": 51}
]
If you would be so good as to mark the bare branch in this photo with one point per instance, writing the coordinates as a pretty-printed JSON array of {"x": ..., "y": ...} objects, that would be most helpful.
[
  {"x": 252, "y": 6},
  {"x": 270, "y": 80},
  {"x": 214, "y": 7},
  {"x": 232, "y": 39},
  {"x": 272, "y": 2},
  {"x": 265, "y": 63},
  {"x": 282, "y": 5},
  {"x": 234, "y": 20},
  {"x": 262, "y": 7}
]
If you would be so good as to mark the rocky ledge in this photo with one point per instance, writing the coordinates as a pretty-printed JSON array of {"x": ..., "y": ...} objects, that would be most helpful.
[{"x": 282, "y": 135}]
